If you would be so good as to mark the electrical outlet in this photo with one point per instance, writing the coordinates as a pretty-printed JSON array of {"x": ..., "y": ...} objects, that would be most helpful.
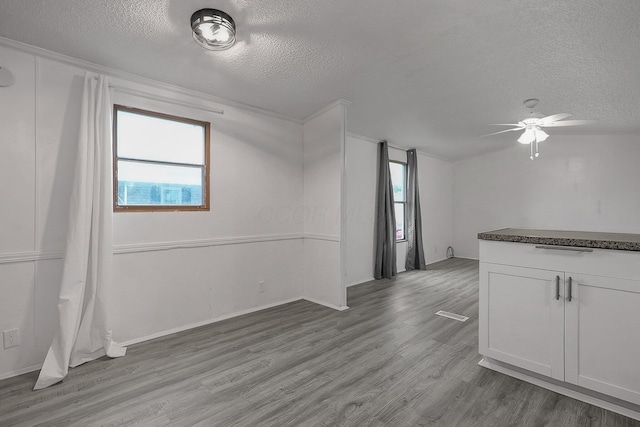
[
  {"x": 261, "y": 286},
  {"x": 11, "y": 338}
]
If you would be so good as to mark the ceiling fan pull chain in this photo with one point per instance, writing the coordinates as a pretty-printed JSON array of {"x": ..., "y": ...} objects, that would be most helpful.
[
  {"x": 531, "y": 147},
  {"x": 537, "y": 153}
]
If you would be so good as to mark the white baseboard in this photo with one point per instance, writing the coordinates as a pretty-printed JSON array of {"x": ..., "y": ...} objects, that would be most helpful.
[
  {"x": 373, "y": 278},
  {"x": 361, "y": 282},
  {"x": 326, "y": 304},
  {"x": 206, "y": 322},
  {"x": 559, "y": 388},
  {"x": 11, "y": 374},
  {"x": 458, "y": 257}
]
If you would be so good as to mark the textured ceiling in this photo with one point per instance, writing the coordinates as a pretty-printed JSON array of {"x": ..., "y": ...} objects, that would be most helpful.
[{"x": 421, "y": 73}]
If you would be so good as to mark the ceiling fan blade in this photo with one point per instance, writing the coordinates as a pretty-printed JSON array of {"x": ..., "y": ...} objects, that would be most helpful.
[
  {"x": 502, "y": 131},
  {"x": 508, "y": 124},
  {"x": 568, "y": 123},
  {"x": 553, "y": 118}
]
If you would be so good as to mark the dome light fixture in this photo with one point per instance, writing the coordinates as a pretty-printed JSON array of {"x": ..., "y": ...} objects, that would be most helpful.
[{"x": 213, "y": 29}]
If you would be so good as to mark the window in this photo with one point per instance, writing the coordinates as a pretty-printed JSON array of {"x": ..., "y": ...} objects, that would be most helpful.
[
  {"x": 161, "y": 162},
  {"x": 399, "y": 183}
]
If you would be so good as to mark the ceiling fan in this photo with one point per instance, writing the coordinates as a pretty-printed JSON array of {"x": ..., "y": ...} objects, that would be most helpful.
[{"x": 532, "y": 126}]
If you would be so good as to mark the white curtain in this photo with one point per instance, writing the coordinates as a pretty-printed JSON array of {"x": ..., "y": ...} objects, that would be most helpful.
[{"x": 83, "y": 332}]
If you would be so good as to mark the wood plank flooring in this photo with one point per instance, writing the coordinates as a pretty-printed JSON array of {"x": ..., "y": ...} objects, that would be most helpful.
[{"x": 387, "y": 361}]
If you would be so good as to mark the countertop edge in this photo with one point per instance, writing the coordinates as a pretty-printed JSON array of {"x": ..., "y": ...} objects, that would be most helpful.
[{"x": 558, "y": 241}]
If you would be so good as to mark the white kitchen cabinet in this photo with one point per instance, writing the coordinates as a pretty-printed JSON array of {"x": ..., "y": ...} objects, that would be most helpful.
[
  {"x": 563, "y": 319},
  {"x": 602, "y": 336},
  {"x": 592, "y": 340},
  {"x": 522, "y": 321}
]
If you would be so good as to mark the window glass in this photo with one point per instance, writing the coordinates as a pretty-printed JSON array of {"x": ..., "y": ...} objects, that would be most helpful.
[
  {"x": 160, "y": 162},
  {"x": 399, "y": 207},
  {"x": 148, "y": 184},
  {"x": 399, "y": 182},
  {"x": 159, "y": 139}
]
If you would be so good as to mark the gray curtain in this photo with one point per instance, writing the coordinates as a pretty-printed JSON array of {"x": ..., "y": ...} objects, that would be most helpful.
[
  {"x": 385, "y": 262},
  {"x": 415, "y": 250}
]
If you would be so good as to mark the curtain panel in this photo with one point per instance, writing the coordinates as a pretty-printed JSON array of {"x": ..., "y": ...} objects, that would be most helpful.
[
  {"x": 415, "y": 249},
  {"x": 385, "y": 261},
  {"x": 82, "y": 333}
]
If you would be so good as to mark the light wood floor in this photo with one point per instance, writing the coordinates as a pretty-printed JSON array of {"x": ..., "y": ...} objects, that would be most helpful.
[{"x": 387, "y": 361}]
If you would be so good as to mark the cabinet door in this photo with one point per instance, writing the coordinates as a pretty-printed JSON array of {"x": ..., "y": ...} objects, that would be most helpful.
[
  {"x": 603, "y": 335},
  {"x": 522, "y": 317}
]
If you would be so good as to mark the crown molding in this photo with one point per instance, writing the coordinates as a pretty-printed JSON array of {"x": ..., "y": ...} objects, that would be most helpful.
[
  {"x": 134, "y": 78},
  {"x": 324, "y": 109},
  {"x": 364, "y": 138},
  {"x": 397, "y": 147}
]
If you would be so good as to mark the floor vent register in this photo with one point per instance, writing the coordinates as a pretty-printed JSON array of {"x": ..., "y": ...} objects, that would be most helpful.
[{"x": 453, "y": 316}]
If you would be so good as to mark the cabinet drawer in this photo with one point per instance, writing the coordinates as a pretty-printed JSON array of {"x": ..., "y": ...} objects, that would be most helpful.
[{"x": 599, "y": 262}]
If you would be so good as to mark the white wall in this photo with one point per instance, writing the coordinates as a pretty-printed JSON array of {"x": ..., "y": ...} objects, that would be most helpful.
[
  {"x": 585, "y": 183},
  {"x": 323, "y": 136},
  {"x": 248, "y": 236},
  {"x": 436, "y": 198},
  {"x": 18, "y": 208},
  {"x": 360, "y": 187}
]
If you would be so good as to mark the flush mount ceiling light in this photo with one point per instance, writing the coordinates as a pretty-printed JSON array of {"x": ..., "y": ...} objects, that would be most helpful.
[
  {"x": 213, "y": 29},
  {"x": 532, "y": 126}
]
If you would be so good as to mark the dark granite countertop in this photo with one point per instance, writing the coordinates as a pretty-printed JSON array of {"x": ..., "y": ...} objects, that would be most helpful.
[{"x": 582, "y": 239}]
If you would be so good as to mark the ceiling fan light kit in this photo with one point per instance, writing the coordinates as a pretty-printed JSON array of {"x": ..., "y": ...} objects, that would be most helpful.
[
  {"x": 213, "y": 29},
  {"x": 532, "y": 126}
]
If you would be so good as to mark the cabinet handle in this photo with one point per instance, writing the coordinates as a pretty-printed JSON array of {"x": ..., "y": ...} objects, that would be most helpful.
[
  {"x": 564, "y": 248},
  {"x": 569, "y": 293},
  {"x": 557, "y": 288}
]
